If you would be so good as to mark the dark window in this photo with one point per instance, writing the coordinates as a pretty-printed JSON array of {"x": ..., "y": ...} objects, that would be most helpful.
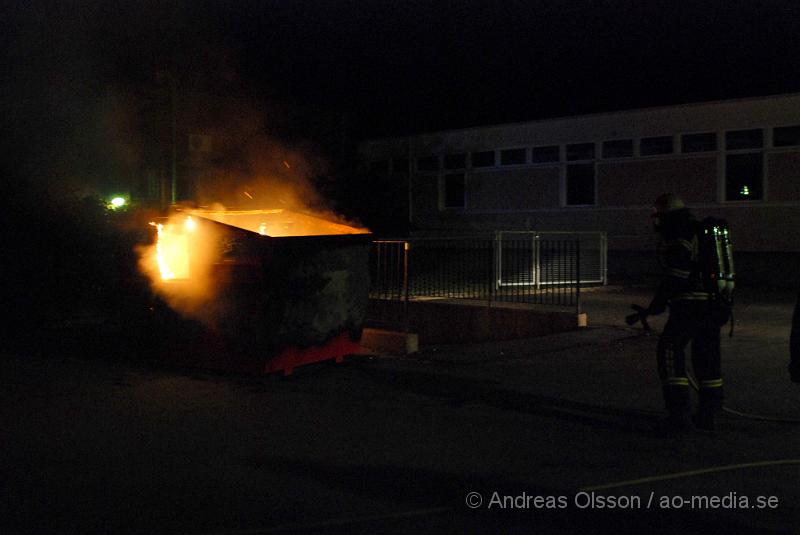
[
  {"x": 512, "y": 157},
  {"x": 428, "y": 163},
  {"x": 649, "y": 146},
  {"x": 744, "y": 177},
  {"x": 544, "y": 154},
  {"x": 455, "y": 161},
  {"x": 786, "y": 136},
  {"x": 618, "y": 148},
  {"x": 400, "y": 166},
  {"x": 380, "y": 168},
  {"x": 580, "y": 151},
  {"x": 580, "y": 184},
  {"x": 483, "y": 159},
  {"x": 454, "y": 190},
  {"x": 744, "y": 139},
  {"x": 699, "y": 142}
]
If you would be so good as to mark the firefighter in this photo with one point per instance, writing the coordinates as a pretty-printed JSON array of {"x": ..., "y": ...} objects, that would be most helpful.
[
  {"x": 794, "y": 344},
  {"x": 693, "y": 317}
]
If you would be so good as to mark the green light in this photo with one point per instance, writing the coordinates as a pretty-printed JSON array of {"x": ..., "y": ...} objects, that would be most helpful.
[
  {"x": 117, "y": 203},
  {"x": 745, "y": 191}
]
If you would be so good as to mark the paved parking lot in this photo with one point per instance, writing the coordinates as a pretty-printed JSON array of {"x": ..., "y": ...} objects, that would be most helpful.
[{"x": 458, "y": 438}]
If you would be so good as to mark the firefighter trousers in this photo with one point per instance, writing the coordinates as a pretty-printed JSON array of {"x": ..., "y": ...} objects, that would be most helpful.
[
  {"x": 794, "y": 344},
  {"x": 698, "y": 322}
]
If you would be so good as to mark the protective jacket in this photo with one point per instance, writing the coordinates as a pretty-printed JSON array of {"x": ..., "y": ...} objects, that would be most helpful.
[
  {"x": 678, "y": 255},
  {"x": 794, "y": 364}
]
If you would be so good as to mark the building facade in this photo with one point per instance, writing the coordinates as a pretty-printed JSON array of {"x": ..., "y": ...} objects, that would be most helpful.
[{"x": 737, "y": 159}]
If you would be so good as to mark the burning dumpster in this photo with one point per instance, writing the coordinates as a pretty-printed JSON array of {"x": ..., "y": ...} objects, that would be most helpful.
[{"x": 266, "y": 290}]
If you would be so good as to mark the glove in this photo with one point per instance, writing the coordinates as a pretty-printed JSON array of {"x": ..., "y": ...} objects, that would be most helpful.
[
  {"x": 639, "y": 316},
  {"x": 659, "y": 303}
]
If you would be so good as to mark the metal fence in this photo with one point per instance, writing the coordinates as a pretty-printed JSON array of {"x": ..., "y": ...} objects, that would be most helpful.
[
  {"x": 549, "y": 263},
  {"x": 521, "y": 267}
]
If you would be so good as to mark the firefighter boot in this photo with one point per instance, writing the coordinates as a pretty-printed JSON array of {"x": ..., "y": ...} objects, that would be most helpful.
[
  {"x": 678, "y": 405},
  {"x": 709, "y": 404}
]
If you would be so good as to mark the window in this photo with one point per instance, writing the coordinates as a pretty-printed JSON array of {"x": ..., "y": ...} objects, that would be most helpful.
[
  {"x": 580, "y": 176},
  {"x": 544, "y": 154},
  {"x": 428, "y": 163},
  {"x": 580, "y": 151},
  {"x": 786, "y": 136},
  {"x": 650, "y": 146},
  {"x": 699, "y": 142},
  {"x": 580, "y": 184},
  {"x": 512, "y": 157},
  {"x": 454, "y": 190},
  {"x": 455, "y": 161},
  {"x": 618, "y": 148},
  {"x": 744, "y": 176},
  {"x": 744, "y": 139},
  {"x": 744, "y": 165},
  {"x": 483, "y": 159}
]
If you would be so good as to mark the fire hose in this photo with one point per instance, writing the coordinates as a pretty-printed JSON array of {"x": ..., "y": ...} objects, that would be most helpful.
[{"x": 640, "y": 316}]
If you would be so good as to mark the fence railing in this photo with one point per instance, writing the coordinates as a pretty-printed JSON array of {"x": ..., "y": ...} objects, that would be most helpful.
[
  {"x": 520, "y": 267},
  {"x": 548, "y": 261}
]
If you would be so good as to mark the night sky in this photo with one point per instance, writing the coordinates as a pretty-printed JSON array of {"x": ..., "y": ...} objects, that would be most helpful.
[{"x": 385, "y": 68}]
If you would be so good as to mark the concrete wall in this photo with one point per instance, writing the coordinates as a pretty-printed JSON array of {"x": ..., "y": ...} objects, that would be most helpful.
[
  {"x": 629, "y": 183},
  {"x": 784, "y": 176},
  {"x": 460, "y": 321},
  {"x": 519, "y": 189},
  {"x": 532, "y": 196}
]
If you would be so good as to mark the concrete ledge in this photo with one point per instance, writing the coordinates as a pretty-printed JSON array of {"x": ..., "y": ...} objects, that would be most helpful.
[
  {"x": 390, "y": 342},
  {"x": 445, "y": 321}
]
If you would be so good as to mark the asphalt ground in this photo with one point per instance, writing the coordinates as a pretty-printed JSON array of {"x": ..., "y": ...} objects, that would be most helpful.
[{"x": 555, "y": 434}]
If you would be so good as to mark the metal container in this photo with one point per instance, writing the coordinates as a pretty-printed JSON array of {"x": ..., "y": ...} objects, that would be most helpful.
[{"x": 280, "y": 302}]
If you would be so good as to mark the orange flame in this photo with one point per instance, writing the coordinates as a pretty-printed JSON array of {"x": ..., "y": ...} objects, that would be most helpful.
[
  {"x": 172, "y": 251},
  {"x": 180, "y": 265}
]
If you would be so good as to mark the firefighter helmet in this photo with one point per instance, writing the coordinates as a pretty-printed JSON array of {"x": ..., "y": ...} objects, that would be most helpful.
[{"x": 667, "y": 202}]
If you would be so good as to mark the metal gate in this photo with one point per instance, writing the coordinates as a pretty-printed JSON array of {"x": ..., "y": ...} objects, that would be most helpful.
[{"x": 534, "y": 258}]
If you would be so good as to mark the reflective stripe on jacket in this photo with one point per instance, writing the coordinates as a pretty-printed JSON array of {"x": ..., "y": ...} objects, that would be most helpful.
[{"x": 678, "y": 256}]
